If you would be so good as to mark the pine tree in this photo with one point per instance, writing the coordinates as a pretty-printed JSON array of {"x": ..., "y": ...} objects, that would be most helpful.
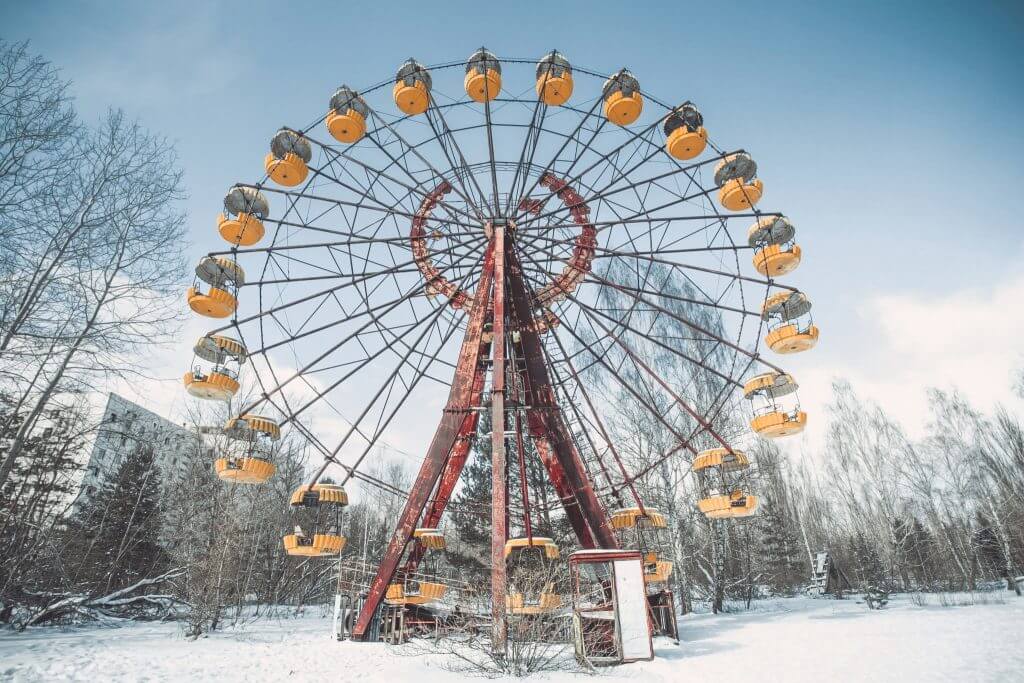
[
  {"x": 114, "y": 540},
  {"x": 471, "y": 506},
  {"x": 779, "y": 549}
]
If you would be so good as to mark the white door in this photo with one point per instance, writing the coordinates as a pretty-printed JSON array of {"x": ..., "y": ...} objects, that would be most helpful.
[{"x": 631, "y": 608}]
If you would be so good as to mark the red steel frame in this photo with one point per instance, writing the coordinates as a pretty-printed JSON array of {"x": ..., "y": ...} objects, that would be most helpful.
[{"x": 503, "y": 299}]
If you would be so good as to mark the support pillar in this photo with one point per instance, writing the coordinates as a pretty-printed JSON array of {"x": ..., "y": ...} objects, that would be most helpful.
[{"x": 499, "y": 485}]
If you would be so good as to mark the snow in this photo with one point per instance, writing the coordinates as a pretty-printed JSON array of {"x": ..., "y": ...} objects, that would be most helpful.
[{"x": 798, "y": 639}]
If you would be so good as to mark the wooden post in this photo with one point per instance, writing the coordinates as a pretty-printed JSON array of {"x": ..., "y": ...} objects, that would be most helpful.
[{"x": 499, "y": 490}]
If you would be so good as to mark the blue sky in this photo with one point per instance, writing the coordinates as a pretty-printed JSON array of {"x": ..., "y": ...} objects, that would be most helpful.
[{"x": 889, "y": 133}]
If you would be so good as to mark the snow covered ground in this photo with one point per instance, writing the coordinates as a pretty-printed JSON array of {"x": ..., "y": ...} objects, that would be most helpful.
[{"x": 784, "y": 640}]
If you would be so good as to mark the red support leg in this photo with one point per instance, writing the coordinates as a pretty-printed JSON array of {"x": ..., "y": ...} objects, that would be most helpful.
[{"x": 499, "y": 486}]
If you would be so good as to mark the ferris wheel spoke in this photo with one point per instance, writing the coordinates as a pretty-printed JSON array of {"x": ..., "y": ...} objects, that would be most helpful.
[
  {"x": 540, "y": 111},
  {"x": 633, "y": 391},
  {"x": 602, "y": 194},
  {"x": 651, "y": 467},
  {"x": 604, "y": 158},
  {"x": 437, "y": 173},
  {"x": 565, "y": 143},
  {"x": 416, "y": 188},
  {"x": 697, "y": 328},
  {"x": 436, "y": 313},
  {"x": 446, "y": 135},
  {"x": 304, "y": 299},
  {"x": 319, "y": 445},
  {"x": 382, "y": 207},
  {"x": 702, "y": 363},
  {"x": 596, "y": 418},
  {"x": 405, "y": 396},
  {"x": 312, "y": 364}
]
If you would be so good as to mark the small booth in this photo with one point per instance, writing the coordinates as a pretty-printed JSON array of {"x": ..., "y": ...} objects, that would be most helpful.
[{"x": 609, "y": 601}]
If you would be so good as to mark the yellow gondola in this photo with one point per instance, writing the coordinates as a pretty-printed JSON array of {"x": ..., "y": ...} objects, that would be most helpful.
[
  {"x": 412, "y": 88},
  {"x": 324, "y": 539},
  {"x": 685, "y": 136},
  {"x": 622, "y": 100},
  {"x": 221, "y": 382},
  {"x": 771, "y": 420},
  {"x": 738, "y": 186},
  {"x": 417, "y": 593},
  {"x": 547, "y": 601},
  {"x": 629, "y": 518},
  {"x": 223, "y": 277},
  {"x": 216, "y": 385},
  {"x": 554, "y": 80},
  {"x": 346, "y": 116},
  {"x": 655, "y": 570},
  {"x": 241, "y": 224},
  {"x": 255, "y": 433},
  {"x": 791, "y": 329},
  {"x": 287, "y": 163},
  {"x": 546, "y": 546},
  {"x": 729, "y": 506},
  {"x": 724, "y": 459},
  {"x": 483, "y": 76},
  {"x": 775, "y": 251},
  {"x": 431, "y": 539}
]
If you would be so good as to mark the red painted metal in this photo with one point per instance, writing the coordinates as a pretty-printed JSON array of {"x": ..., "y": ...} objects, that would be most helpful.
[
  {"x": 545, "y": 417},
  {"x": 499, "y": 484},
  {"x": 512, "y": 310}
]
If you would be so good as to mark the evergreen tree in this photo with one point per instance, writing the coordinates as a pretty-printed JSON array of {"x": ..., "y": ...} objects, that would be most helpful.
[
  {"x": 867, "y": 563},
  {"x": 779, "y": 549},
  {"x": 471, "y": 506},
  {"x": 114, "y": 540}
]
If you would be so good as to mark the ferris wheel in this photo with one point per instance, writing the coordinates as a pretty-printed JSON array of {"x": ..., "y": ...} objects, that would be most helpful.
[{"x": 542, "y": 242}]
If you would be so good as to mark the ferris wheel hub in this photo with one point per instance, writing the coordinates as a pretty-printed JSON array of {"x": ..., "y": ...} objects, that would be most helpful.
[{"x": 508, "y": 224}]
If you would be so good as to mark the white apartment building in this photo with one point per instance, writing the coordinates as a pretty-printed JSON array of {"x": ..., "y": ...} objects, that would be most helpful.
[{"x": 125, "y": 426}]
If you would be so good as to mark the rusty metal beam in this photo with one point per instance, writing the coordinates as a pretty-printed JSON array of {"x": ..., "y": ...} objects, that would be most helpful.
[
  {"x": 499, "y": 485},
  {"x": 545, "y": 418}
]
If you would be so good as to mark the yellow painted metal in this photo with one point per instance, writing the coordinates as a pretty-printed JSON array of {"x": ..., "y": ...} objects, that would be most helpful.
[
  {"x": 244, "y": 470},
  {"x": 775, "y": 260},
  {"x": 766, "y": 383},
  {"x": 657, "y": 571},
  {"x": 427, "y": 592},
  {"x": 778, "y": 423},
  {"x": 215, "y": 386},
  {"x": 729, "y": 506},
  {"x": 321, "y": 545},
  {"x": 722, "y": 458},
  {"x": 216, "y": 303},
  {"x": 554, "y": 91},
  {"x": 792, "y": 339},
  {"x": 546, "y": 544},
  {"x": 231, "y": 347},
  {"x": 430, "y": 538},
  {"x": 288, "y": 171},
  {"x": 243, "y": 230},
  {"x": 736, "y": 195},
  {"x": 547, "y": 602},
  {"x": 411, "y": 99},
  {"x": 774, "y": 300},
  {"x": 265, "y": 425},
  {"x": 628, "y": 518},
  {"x": 621, "y": 109},
  {"x": 325, "y": 493},
  {"x": 347, "y": 127},
  {"x": 482, "y": 87},
  {"x": 685, "y": 144}
]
